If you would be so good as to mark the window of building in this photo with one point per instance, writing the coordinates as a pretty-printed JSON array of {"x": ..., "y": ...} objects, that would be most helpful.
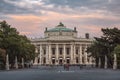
[
  {"x": 53, "y": 51},
  {"x": 77, "y": 51},
  {"x": 60, "y": 51},
  {"x": 44, "y": 60},
  {"x": 60, "y": 61},
  {"x": 83, "y": 60},
  {"x": 77, "y": 60},
  {"x": 44, "y": 51},
  {"x": 88, "y": 59},
  {"x": 68, "y": 61},
  {"x": 38, "y": 60},
  {"x": 68, "y": 51},
  {"x": 53, "y": 61}
]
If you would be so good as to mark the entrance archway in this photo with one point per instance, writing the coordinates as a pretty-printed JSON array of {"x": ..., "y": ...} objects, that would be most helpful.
[
  {"x": 60, "y": 61},
  {"x": 53, "y": 61},
  {"x": 68, "y": 61}
]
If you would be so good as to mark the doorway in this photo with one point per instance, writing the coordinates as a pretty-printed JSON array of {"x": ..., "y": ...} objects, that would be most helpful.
[
  {"x": 53, "y": 61},
  {"x": 60, "y": 61}
]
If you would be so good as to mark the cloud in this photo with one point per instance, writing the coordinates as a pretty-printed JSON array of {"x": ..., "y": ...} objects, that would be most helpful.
[
  {"x": 31, "y": 17},
  {"x": 110, "y": 7},
  {"x": 17, "y": 7}
]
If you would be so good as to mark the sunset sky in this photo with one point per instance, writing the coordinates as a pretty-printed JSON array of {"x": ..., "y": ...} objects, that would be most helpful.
[{"x": 31, "y": 17}]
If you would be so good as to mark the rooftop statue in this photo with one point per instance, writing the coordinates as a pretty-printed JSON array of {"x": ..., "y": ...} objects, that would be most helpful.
[{"x": 60, "y": 25}]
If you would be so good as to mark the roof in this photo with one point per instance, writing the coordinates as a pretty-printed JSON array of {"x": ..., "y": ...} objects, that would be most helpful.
[
  {"x": 59, "y": 28},
  {"x": 61, "y": 38}
]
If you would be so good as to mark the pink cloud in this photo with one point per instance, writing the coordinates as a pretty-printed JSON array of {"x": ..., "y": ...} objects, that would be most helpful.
[{"x": 34, "y": 25}]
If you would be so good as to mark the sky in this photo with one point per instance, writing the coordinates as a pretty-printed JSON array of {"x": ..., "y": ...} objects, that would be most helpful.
[{"x": 31, "y": 17}]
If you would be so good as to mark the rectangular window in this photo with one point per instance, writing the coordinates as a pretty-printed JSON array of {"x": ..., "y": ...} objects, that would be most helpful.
[
  {"x": 68, "y": 51},
  {"x": 44, "y": 51},
  {"x": 44, "y": 60},
  {"x": 77, "y": 51},
  {"x": 53, "y": 51},
  {"x": 60, "y": 51},
  {"x": 77, "y": 60}
]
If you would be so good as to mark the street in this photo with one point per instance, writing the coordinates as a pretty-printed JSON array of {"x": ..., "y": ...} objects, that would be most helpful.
[{"x": 58, "y": 73}]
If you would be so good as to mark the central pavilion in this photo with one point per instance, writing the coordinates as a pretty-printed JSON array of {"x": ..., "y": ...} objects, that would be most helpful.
[{"x": 61, "y": 45}]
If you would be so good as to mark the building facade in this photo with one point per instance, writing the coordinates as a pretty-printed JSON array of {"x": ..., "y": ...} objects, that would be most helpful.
[{"x": 61, "y": 45}]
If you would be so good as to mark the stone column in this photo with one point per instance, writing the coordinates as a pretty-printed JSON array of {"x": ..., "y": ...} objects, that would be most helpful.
[
  {"x": 16, "y": 62},
  {"x": 64, "y": 53},
  {"x": 85, "y": 55},
  {"x": 99, "y": 64},
  {"x": 40, "y": 55},
  {"x": 36, "y": 58},
  {"x": 71, "y": 53},
  {"x": 105, "y": 65},
  {"x": 57, "y": 54},
  {"x": 74, "y": 57},
  {"x": 80, "y": 53},
  {"x": 36, "y": 61},
  {"x": 47, "y": 54},
  {"x": 7, "y": 62},
  {"x": 50, "y": 54},
  {"x": 115, "y": 62},
  {"x": 22, "y": 62}
]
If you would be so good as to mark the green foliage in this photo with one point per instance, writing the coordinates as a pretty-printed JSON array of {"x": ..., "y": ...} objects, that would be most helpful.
[
  {"x": 15, "y": 44},
  {"x": 117, "y": 50},
  {"x": 2, "y": 58},
  {"x": 105, "y": 45}
]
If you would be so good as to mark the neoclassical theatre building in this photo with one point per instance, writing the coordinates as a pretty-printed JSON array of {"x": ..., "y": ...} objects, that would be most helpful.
[{"x": 61, "y": 45}]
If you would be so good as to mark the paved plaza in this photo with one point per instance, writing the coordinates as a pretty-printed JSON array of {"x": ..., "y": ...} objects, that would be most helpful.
[{"x": 58, "y": 73}]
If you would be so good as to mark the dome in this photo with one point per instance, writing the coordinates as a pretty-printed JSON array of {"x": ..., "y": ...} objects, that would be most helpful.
[{"x": 59, "y": 28}]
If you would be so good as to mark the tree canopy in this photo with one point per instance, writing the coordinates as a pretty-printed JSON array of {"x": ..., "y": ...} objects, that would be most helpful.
[
  {"x": 15, "y": 44},
  {"x": 106, "y": 45}
]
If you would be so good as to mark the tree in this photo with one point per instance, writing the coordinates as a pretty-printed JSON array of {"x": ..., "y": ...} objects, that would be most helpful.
[
  {"x": 15, "y": 44},
  {"x": 97, "y": 50},
  {"x": 117, "y": 52},
  {"x": 104, "y": 46},
  {"x": 26, "y": 48},
  {"x": 2, "y": 58}
]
